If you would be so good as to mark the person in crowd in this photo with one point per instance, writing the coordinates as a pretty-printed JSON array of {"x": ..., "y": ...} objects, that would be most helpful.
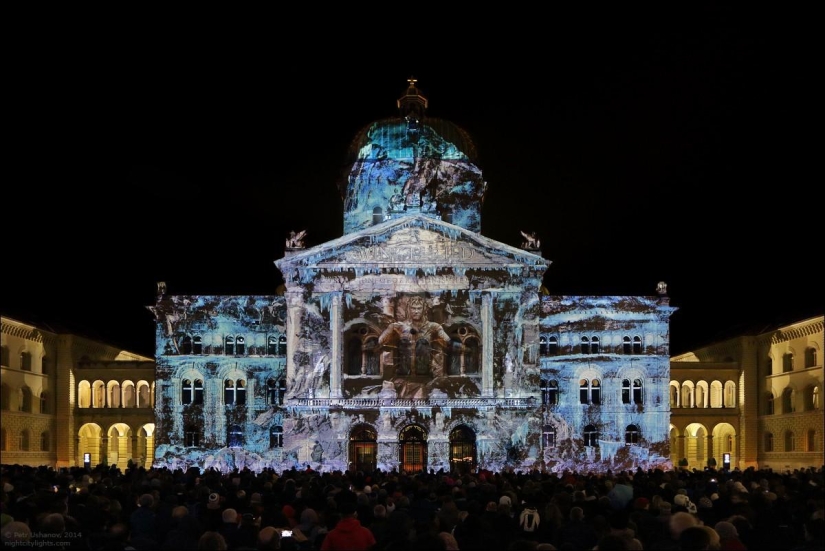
[{"x": 348, "y": 534}]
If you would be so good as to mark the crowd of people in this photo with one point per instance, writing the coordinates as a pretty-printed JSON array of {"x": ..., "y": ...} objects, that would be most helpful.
[{"x": 105, "y": 509}]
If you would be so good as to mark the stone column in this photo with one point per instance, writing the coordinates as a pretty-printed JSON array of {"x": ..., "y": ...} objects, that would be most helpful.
[
  {"x": 487, "y": 345},
  {"x": 336, "y": 328},
  {"x": 294, "y": 308},
  {"x": 709, "y": 451}
]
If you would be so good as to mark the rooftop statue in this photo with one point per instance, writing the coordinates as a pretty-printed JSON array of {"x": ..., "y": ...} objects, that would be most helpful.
[
  {"x": 532, "y": 241},
  {"x": 296, "y": 240}
]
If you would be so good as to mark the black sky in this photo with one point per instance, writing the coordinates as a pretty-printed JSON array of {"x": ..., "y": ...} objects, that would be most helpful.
[{"x": 639, "y": 155}]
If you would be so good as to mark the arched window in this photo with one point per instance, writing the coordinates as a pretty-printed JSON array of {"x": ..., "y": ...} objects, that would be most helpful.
[
  {"x": 198, "y": 387},
  {"x": 240, "y": 346},
  {"x": 789, "y": 441},
  {"x": 636, "y": 389},
  {"x": 585, "y": 345},
  {"x": 234, "y": 392},
  {"x": 186, "y": 345},
  {"x": 5, "y": 397},
  {"x": 143, "y": 395},
  {"x": 25, "y": 400},
  {"x": 768, "y": 442},
  {"x": 354, "y": 356},
  {"x": 282, "y": 345},
  {"x": 674, "y": 396},
  {"x": 730, "y": 394},
  {"x": 687, "y": 396},
  {"x": 716, "y": 399},
  {"x": 553, "y": 346},
  {"x": 44, "y": 402},
  {"x": 787, "y": 363},
  {"x": 46, "y": 365},
  {"x": 187, "y": 391},
  {"x": 631, "y": 434},
  {"x": 809, "y": 398},
  {"x": 4, "y": 356},
  {"x": 632, "y": 391},
  {"x": 543, "y": 346},
  {"x": 548, "y": 436},
  {"x": 229, "y": 346},
  {"x": 363, "y": 448},
  {"x": 787, "y": 401},
  {"x": 271, "y": 393},
  {"x": 234, "y": 437},
  {"x": 99, "y": 394},
  {"x": 769, "y": 405},
  {"x": 192, "y": 436},
  {"x": 471, "y": 356},
  {"x": 591, "y": 436},
  {"x": 197, "y": 345},
  {"x": 24, "y": 440},
  {"x": 377, "y": 215},
  {"x": 627, "y": 346},
  {"x": 3, "y": 440},
  {"x": 228, "y": 392},
  {"x": 816, "y": 399},
  {"x": 810, "y": 441},
  {"x": 637, "y": 345},
  {"x": 413, "y": 448},
  {"x": 45, "y": 441},
  {"x": 594, "y": 345},
  {"x": 281, "y": 390},
  {"x": 272, "y": 345},
  {"x": 462, "y": 448},
  {"x": 810, "y": 357},
  {"x": 26, "y": 361},
  {"x": 84, "y": 394},
  {"x": 240, "y": 392},
  {"x": 549, "y": 392},
  {"x": 590, "y": 391},
  {"x": 276, "y": 437},
  {"x": 129, "y": 395}
]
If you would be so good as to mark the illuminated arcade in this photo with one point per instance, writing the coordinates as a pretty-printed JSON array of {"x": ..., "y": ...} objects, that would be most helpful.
[{"x": 412, "y": 341}]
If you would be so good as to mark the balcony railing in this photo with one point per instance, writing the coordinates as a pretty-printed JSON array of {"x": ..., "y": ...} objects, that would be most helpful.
[{"x": 407, "y": 403}]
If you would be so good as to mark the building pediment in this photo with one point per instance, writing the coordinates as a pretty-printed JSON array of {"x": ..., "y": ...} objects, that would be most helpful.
[{"x": 412, "y": 243}]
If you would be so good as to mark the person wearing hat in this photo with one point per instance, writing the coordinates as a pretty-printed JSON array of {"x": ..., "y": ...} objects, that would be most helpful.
[{"x": 212, "y": 515}]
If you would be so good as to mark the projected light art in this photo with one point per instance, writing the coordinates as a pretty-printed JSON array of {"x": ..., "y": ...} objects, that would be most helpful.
[{"x": 412, "y": 342}]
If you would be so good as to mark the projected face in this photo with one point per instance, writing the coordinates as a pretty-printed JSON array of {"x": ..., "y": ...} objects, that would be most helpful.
[{"x": 416, "y": 310}]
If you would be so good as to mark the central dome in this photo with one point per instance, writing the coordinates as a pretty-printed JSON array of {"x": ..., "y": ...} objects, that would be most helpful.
[{"x": 412, "y": 164}]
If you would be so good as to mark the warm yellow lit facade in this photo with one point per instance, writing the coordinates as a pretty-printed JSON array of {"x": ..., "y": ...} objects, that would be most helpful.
[
  {"x": 757, "y": 397},
  {"x": 65, "y": 395}
]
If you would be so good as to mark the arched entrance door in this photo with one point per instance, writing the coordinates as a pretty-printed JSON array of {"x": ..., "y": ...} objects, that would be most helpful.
[
  {"x": 363, "y": 448},
  {"x": 413, "y": 451},
  {"x": 462, "y": 449}
]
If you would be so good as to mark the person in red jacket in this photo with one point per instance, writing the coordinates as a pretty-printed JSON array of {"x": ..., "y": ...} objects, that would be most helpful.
[{"x": 348, "y": 534}]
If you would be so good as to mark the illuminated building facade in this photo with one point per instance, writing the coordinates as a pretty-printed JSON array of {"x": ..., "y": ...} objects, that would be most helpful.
[
  {"x": 412, "y": 341},
  {"x": 757, "y": 397},
  {"x": 64, "y": 395}
]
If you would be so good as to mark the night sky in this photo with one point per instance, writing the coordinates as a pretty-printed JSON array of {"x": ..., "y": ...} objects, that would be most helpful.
[{"x": 637, "y": 157}]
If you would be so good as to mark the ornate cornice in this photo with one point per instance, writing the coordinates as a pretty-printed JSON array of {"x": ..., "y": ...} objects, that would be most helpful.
[{"x": 796, "y": 331}]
